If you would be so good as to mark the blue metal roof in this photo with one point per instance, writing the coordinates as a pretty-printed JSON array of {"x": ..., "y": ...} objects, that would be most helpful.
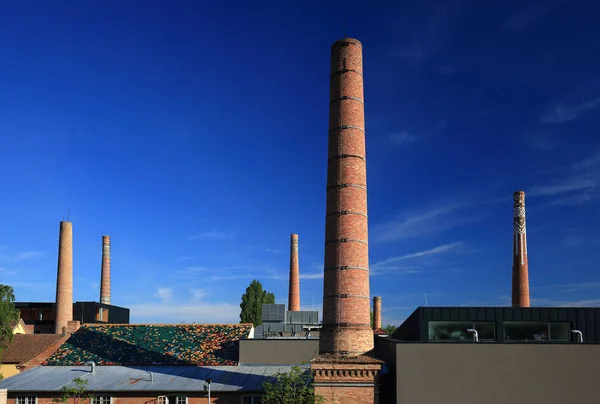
[{"x": 138, "y": 378}]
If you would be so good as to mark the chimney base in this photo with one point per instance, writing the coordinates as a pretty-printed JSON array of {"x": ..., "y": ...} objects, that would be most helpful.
[{"x": 342, "y": 380}]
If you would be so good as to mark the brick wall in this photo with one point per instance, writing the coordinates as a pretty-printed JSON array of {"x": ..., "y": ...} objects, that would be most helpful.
[{"x": 347, "y": 383}]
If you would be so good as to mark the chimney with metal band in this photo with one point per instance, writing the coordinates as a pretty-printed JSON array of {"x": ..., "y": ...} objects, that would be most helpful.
[
  {"x": 64, "y": 278},
  {"x": 294, "y": 291},
  {"x": 346, "y": 300},
  {"x": 520, "y": 269},
  {"x": 105, "y": 275}
]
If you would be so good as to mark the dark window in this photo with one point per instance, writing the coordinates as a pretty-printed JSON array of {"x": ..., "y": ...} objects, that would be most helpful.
[
  {"x": 457, "y": 330},
  {"x": 536, "y": 331}
]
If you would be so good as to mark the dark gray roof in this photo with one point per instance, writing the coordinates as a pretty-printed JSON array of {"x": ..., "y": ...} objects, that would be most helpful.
[{"x": 137, "y": 378}]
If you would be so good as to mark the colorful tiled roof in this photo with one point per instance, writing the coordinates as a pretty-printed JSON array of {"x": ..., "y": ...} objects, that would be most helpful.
[{"x": 118, "y": 344}]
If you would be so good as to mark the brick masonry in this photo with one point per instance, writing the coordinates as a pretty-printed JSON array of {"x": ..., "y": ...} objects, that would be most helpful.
[
  {"x": 64, "y": 278},
  {"x": 342, "y": 373},
  {"x": 105, "y": 277},
  {"x": 347, "y": 380},
  {"x": 346, "y": 301},
  {"x": 520, "y": 268},
  {"x": 377, "y": 312},
  {"x": 294, "y": 291}
]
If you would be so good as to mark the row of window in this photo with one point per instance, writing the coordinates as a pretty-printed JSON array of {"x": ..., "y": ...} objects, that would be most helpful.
[
  {"x": 161, "y": 400},
  {"x": 513, "y": 331}
]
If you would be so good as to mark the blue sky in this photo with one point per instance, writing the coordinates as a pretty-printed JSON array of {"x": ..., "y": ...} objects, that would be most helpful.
[{"x": 195, "y": 135}]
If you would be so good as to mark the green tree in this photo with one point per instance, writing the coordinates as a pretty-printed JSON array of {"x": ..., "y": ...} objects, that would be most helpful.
[
  {"x": 294, "y": 387},
  {"x": 252, "y": 302},
  {"x": 76, "y": 392},
  {"x": 8, "y": 315},
  {"x": 389, "y": 329}
]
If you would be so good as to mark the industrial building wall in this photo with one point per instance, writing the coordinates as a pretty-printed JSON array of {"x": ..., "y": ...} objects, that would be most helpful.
[
  {"x": 497, "y": 373},
  {"x": 277, "y": 351}
]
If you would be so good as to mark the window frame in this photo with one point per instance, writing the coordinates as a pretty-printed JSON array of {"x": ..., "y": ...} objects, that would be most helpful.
[
  {"x": 95, "y": 396},
  {"x": 473, "y": 325},
  {"x": 27, "y": 399},
  {"x": 548, "y": 331},
  {"x": 253, "y": 398}
]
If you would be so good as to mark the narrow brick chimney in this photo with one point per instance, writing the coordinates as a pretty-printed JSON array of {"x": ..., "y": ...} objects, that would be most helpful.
[
  {"x": 64, "y": 278},
  {"x": 520, "y": 269},
  {"x": 377, "y": 313},
  {"x": 346, "y": 302},
  {"x": 105, "y": 277},
  {"x": 294, "y": 292}
]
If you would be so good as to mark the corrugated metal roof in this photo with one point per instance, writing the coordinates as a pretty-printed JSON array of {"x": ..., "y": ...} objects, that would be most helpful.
[{"x": 137, "y": 378}]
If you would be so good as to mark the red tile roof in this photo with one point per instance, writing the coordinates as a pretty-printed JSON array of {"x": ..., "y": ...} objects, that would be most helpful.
[{"x": 26, "y": 346}]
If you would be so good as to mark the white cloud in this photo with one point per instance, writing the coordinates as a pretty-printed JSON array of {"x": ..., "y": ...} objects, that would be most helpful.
[
  {"x": 564, "y": 186},
  {"x": 316, "y": 275},
  {"x": 391, "y": 264},
  {"x": 562, "y": 112},
  {"x": 198, "y": 294},
  {"x": 20, "y": 256},
  {"x": 403, "y": 138},
  {"x": 211, "y": 235},
  {"x": 164, "y": 294},
  {"x": 534, "y": 11},
  {"x": 200, "y": 313},
  {"x": 431, "y": 220}
]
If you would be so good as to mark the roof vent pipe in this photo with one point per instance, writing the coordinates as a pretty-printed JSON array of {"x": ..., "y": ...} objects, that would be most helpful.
[
  {"x": 93, "y": 365},
  {"x": 580, "y": 334},
  {"x": 151, "y": 377},
  {"x": 475, "y": 334}
]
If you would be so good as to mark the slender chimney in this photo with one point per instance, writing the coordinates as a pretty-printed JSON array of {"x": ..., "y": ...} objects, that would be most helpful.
[
  {"x": 105, "y": 277},
  {"x": 520, "y": 269},
  {"x": 377, "y": 313},
  {"x": 64, "y": 278},
  {"x": 294, "y": 292},
  {"x": 346, "y": 302}
]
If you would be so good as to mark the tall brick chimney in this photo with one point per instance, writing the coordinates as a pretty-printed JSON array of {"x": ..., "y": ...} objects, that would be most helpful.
[
  {"x": 294, "y": 292},
  {"x": 64, "y": 278},
  {"x": 342, "y": 372},
  {"x": 520, "y": 269},
  {"x": 105, "y": 277},
  {"x": 346, "y": 303},
  {"x": 377, "y": 313}
]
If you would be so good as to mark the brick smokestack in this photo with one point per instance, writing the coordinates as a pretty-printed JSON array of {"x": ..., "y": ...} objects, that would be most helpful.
[
  {"x": 105, "y": 277},
  {"x": 346, "y": 301},
  {"x": 520, "y": 269},
  {"x": 294, "y": 292},
  {"x": 64, "y": 278},
  {"x": 377, "y": 313}
]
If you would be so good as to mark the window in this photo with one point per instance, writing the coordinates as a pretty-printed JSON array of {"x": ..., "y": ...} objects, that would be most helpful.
[
  {"x": 27, "y": 400},
  {"x": 101, "y": 400},
  {"x": 457, "y": 330},
  {"x": 174, "y": 400},
  {"x": 536, "y": 331},
  {"x": 251, "y": 400},
  {"x": 163, "y": 400}
]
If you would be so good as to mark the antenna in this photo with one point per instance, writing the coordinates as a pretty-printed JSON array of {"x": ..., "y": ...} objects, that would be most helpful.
[{"x": 425, "y": 299}]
